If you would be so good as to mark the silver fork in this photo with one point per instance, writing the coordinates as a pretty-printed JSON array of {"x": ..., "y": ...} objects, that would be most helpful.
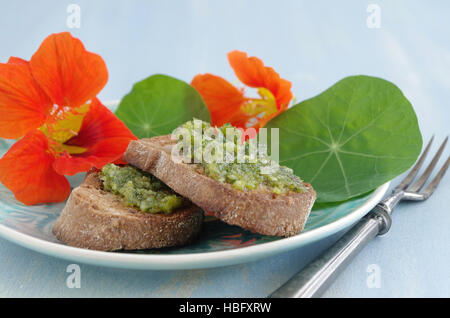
[{"x": 316, "y": 277}]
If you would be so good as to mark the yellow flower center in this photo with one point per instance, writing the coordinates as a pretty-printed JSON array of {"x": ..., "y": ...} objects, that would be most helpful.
[
  {"x": 65, "y": 125},
  {"x": 264, "y": 106}
]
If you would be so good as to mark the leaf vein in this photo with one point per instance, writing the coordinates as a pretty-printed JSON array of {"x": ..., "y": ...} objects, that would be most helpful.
[
  {"x": 307, "y": 136},
  {"x": 343, "y": 173},
  {"x": 321, "y": 167},
  {"x": 305, "y": 155}
]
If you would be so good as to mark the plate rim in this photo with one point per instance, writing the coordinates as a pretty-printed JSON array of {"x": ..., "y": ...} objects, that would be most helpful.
[{"x": 191, "y": 260}]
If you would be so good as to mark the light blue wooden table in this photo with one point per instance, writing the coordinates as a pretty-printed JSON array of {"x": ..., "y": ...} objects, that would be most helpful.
[{"x": 311, "y": 43}]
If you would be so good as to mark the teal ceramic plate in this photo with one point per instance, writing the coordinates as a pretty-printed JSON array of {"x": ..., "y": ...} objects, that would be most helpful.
[{"x": 218, "y": 244}]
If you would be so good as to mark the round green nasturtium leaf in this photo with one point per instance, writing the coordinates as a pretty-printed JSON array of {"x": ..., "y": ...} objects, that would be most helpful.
[
  {"x": 350, "y": 139},
  {"x": 159, "y": 104}
]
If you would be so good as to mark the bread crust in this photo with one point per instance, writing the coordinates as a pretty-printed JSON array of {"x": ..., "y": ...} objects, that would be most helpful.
[
  {"x": 96, "y": 219},
  {"x": 258, "y": 211}
]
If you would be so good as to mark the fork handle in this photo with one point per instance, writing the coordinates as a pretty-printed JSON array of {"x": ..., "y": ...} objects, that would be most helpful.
[{"x": 316, "y": 277}]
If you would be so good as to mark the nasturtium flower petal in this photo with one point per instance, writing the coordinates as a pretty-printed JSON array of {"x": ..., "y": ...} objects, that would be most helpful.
[
  {"x": 26, "y": 169},
  {"x": 221, "y": 97},
  {"x": 68, "y": 73},
  {"x": 104, "y": 137},
  {"x": 23, "y": 104},
  {"x": 252, "y": 72},
  {"x": 17, "y": 60}
]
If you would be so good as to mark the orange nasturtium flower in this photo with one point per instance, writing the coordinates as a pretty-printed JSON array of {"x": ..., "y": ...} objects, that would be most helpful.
[
  {"x": 49, "y": 103},
  {"x": 228, "y": 104}
]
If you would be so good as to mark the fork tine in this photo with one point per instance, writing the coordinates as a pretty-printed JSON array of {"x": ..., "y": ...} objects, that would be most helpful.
[
  {"x": 423, "y": 178},
  {"x": 410, "y": 177},
  {"x": 433, "y": 184}
]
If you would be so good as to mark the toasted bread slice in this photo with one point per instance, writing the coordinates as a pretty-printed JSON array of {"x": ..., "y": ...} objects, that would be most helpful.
[
  {"x": 260, "y": 211},
  {"x": 99, "y": 220}
]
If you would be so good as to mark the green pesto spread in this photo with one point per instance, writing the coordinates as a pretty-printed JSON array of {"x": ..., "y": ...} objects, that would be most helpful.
[
  {"x": 139, "y": 189},
  {"x": 236, "y": 165}
]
